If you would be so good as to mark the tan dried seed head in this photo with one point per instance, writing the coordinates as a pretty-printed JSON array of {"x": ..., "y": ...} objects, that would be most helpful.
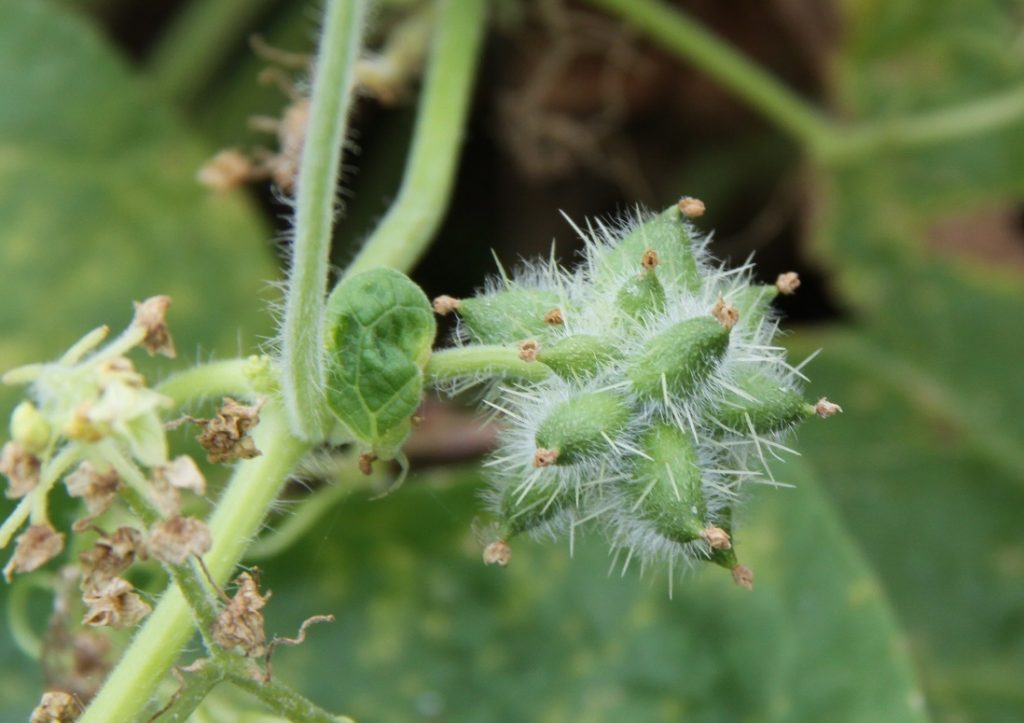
[
  {"x": 825, "y": 409},
  {"x": 528, "y": 350},
  {"x": 226, "y": 436},
  {"x": 545, "y": 457},
  {"x": 115, "y": 604},
  {"x": 691, "y": 207},
  {"x": 554, "y": 316},
  {"x": 726, "y": 314},
  {"x": 650, "y": 259},
  {"x": 497, "y": 553},
  {"x": 56, "y": 706},
  {"x": 716, "y": 537},
  {"x": 788, "y": 283},
  {"x": 743, "y": 576}
]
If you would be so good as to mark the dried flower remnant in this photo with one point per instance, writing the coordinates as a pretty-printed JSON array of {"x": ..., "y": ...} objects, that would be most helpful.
[
  {"x": 444, "y": 305},
  {"x": 825, "y": 409},
  {"x": 240, "y": 623},
  {"x": 110, "y": 556},
  {"x": 788, "y": 283},
  {"x": 545, "y": 457},
  {"x": 554, "y": 316},
  {"x": 174, "y": 540},
  {"x": 114, "y": 604},
  {"x": 497, "y": 553},
  {"x": 691, "y": 207},
  {"x": 650, "y": 259},
  {"x": 151, "y": 316},
  {"x": 726, "y": 314},
  {"x": 182, "y": 473},
  {"x": 97, "y": 489},
  {"x": 227, "y": 170},
  {"x": 56, "y": 706},
  {"x": 21, "y": 468},
  {"x": 528, "y": 350},
  {"x": 36, "y": 546},
  {"x": 366, "y": 460},
  {"x": 743, "y": 576},
  {"x": 226, "y": 436},
  {"x": 716, "y": 537}
]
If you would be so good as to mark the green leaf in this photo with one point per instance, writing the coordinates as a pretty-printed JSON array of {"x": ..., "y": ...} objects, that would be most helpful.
[
  {"x": 425, "y": 630},
  {"x": 380, "y": 330},
  {"x": 100, "y": 207}
]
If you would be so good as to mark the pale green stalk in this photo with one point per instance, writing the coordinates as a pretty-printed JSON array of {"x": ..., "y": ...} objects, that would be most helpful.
[
  {"x": 238, "y": 516},
  {"x": 481, "y": 361},
  {"x": 302, "y": 335},
  {"x": 411, "y": 222},
  {"x": 216, "y": 379}
]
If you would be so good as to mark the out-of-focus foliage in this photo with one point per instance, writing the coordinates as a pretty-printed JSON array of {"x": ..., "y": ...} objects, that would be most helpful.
[{"x": 909, "y": 502}]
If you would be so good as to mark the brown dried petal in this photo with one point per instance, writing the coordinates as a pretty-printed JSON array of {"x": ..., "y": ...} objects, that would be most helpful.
[
  {"x": 545, "y": 457},
  {"x": 151, "y": 315},
  {"x": 56, "y": 706},
  {"x": 111, "y": 555},
  {"x": 240, "y": 623},
  {"x": 650, "y": 259},
  {"x": 175, "y": 539},
  {"x": 36, "y": 546},
  {"x": 182, "y": 473},
  {"x": 21, "y": 468},
  {"x": 716, "y": 537},
  {"x": 116, "y": 605},
  {"x": 554, "y": 316},
  {"x": 825, "y": 409},
  {"x": 226, "y": 436}
]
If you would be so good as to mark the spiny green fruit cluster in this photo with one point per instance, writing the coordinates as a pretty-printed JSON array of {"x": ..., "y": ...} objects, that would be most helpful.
[{"x": 666, "y": 397}]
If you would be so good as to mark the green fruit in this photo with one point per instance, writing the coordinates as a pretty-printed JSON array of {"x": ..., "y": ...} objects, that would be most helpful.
[
  {"x": 522, "y": 512},
  {"x": 506, "y": 317},
  {"x": 668, "y": 235},
  {"x": 769, "y": 406},
  {"x": 577, "y": 356},
  {"x": 666, "y": 489},
  {"x": 643, "y": 294},
  {"x": 679, "y": 359},
  {"x": 582, "y": 426}
]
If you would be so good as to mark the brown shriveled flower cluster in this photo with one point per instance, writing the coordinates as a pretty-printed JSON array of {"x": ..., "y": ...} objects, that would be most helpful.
[
  {"x": 226, "y": 437},
  {"x": 21, "y": 468},
  {"x": 97, "y": 489},
  {"x": 56, "y": 706},
  {"x": 174, "y": 540},
  {"x": 111, "y": 600},
  {"x": 36, "y": 546},
  {"x": 240, "y": 623}
]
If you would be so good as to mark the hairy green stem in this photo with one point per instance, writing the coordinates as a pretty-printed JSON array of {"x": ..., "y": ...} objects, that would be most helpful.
[
  {"x": 302, "y": 336},
  {"x": 216, "y": 379},
  {"x": 194, "y": 689},
  {"x": 668, "y": 27},
  {"x": 482, "y": 361},
  {"x": 409, "y": 225},
  {"x": 280, "y": 698},
  {"x": 201, "y": 36},
  {"x": 238, "y": 516}
]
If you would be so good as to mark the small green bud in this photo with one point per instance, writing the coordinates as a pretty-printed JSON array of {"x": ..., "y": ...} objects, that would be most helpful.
[
  {"x": 769, "y": 406},
  {"x": 643, "y": 294},
  {"x": 577, "y": 356},
  {"x": 679, "y": 358},
  {"x": 579, "y": 427},
  {"x": 753, "y": 303},
  {"x": 522, "y": 510},
  {"x": 666, "y": 489},
  {"x": 507, "y": 316},
  {"x": 669, "y": 237},
  {"x": 29, "y": 428}
]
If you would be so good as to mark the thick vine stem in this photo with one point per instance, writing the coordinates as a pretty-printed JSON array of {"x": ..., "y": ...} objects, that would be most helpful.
[
  {"x": 239, "y": 514},
  {"x": 302, "y": 336},
  {"x": 482, "y": 361},
  {"x": 409, "y": 225},
  {"x": 690, "y": 40}
]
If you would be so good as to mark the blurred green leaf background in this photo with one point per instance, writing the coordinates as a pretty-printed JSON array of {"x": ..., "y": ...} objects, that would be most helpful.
[{"x": 890, "y": 580}]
